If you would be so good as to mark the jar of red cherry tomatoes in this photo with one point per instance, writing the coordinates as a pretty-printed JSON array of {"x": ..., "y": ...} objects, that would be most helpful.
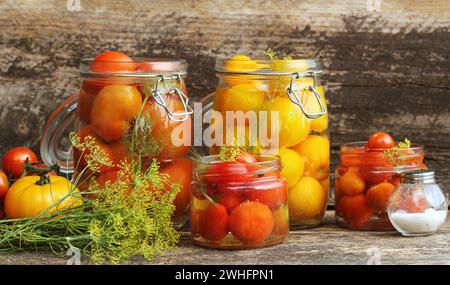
[
  {"x": 365, "y": 180},
  {"x": 134, "y": 108},
  {"x": 239, "y": 204}
]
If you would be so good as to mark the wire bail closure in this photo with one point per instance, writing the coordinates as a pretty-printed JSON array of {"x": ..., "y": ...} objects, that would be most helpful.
[
  {"x": 296, "y": 100},
  {"x": 158, "y": 96}
]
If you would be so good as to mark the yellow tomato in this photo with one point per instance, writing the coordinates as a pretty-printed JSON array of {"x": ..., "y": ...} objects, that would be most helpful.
[
  {"x": 240, "y": 63},
  {"x": 315, "y": 150},
  {"x": 306, "y": 199},
  {"x": 242, "y": 97},
  {"x": 26, "y": 198},
  {"x": 292, "y": 166},
  {"x": 292, "y": 123}
]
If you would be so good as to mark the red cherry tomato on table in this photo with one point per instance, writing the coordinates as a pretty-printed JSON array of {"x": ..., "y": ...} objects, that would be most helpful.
[
  {"x": 113, "y": 62},
  {"x": 14, "y": 160},
  {"x": 225, "y": 172},
  {"x": 4, "y": 185},
  {"x": 380, "y": 140}
]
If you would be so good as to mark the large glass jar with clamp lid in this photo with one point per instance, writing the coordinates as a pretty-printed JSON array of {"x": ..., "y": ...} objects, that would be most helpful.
[
  {"x": 277, "y": 106},
  {"x": 131, "y": 107}
]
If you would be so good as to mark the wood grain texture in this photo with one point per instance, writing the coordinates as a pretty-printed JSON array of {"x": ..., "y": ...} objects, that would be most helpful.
[
  {"x": 327, "y": 244},
  {"x": 387, "y": 69}
]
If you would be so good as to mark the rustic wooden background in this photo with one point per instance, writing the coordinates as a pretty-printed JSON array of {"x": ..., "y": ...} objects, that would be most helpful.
[{"x": 387, "y": 62}]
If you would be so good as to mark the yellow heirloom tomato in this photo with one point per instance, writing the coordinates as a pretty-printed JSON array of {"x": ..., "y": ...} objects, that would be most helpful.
[
  {"x": 30, "y": 195},
  {"x": 315, "y": 150},
  {"x": 242, "y": 97},
  {"x": 292, "y": 165},
  {"x": 293, "y": 124}
]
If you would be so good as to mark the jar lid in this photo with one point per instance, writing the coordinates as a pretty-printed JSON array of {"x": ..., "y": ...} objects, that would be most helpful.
[
  {"x": 417, "y": 176},
  {"x": 140, "y": 67},
  {"x": 246, "y": 66},
  {"x": 55, "y": 146}
]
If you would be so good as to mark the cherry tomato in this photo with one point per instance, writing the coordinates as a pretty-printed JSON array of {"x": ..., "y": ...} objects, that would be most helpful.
[
  {"x": 4, "y": 185},
  {"x": 245, "y": 157},
  {"x": 114, "y": 108},
  {"x": 173, "y": 136},
  {"x": 180, "y": 171},
  {"x": 380, "y": 140},
  {"x": 14, "y": 160},
  {"x": 375, "y": 168},
  {"x": 226, "y": 171},
  {"x": 113, "y": 62},
  {"x": 213, "y": 224},
  {"x": 268, "y": 192},
  {"x": 86, "y": 97}
]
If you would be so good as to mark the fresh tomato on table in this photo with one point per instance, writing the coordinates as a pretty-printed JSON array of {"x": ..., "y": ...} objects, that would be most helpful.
[{"x": 14, "y": 160}]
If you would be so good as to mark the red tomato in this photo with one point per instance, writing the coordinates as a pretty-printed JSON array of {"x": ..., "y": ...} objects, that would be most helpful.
[
  {"x": 14, "y": 160},
  {"x": 245, "y": 157},
  {"x": 164, "y": 129},
  {"x": 380, "y": 140},
  {"x": 4, "y": 185},
  {"x": 375, "y": 168},
  {"x": 268, "y": 192},
  {"x": 213, "y": 224},
  {"x": 225, "y": 172},
  {"x": 229, "y": 196},
  {"x": 180, "y": 171},
  {"x": 113, "y": 62}
]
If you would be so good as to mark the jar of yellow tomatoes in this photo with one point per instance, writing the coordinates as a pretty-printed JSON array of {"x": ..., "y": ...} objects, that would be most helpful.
[
  {"x": 239, "y": 203},
  {"x": 367, "y": 176},
  {"x": 277, "y": 107},
  {"x": 133, "y": 111}
]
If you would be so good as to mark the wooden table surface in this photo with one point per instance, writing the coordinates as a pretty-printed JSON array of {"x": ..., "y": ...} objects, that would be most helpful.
[{"x": 327, "y": 244}]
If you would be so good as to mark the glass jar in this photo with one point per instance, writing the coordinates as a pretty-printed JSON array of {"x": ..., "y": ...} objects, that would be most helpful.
[
  {"x": 133, "y": 109},
  {"x": 364, "y": 181},
  {"x": 239, "y": 209},
  {"x": 277, "y": 107},
  {"x": 418, "y": 206}
]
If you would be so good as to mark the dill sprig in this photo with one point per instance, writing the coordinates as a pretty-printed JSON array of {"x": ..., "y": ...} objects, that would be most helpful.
[
  {"x": 131, "y": 217},
  {"x": 396, "y": 155}
]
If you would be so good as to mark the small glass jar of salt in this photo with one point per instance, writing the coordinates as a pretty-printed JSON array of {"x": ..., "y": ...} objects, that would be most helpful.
[{"x": 417, "y": 207}]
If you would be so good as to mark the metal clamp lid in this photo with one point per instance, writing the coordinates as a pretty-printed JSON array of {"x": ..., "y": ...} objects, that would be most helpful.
[
  {"x": 296, "y": 100},
  {"x": 158, "y": 95}
]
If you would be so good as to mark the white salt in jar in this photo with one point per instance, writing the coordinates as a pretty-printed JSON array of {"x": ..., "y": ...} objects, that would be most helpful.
[{"x": 418, "y": 206}]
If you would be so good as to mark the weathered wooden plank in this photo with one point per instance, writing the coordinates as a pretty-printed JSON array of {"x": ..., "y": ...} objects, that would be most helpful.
[
  {"x": 386, "y": 69},
  {"x": 327, "y": 244}
]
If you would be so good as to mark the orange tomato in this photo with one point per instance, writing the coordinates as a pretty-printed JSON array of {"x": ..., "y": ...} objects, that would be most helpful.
[
  {"x": 351, "y": 183},
  {"x": 378, "y": 196},
  {"x": 380, "y": 140},
  {"x": 113, "y": 62},
  {"x": 165, "y": 130},
  {"x": 114, "y": 108},
  {"x": 355, "y": 210},
  {"x": 180, "y": 171},
  {"x": 116, "y": 151},
  {"x": 251, "y": 222},
  {"x": 229, "y": 196}
]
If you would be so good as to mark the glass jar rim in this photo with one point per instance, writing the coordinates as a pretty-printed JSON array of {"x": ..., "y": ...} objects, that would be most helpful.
[
  {"x": 270, "y": 162},
  {"x": 157, "y": 66},
  {"x": 360, "y": 145},
  {"x": 266, "y": 67}
]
